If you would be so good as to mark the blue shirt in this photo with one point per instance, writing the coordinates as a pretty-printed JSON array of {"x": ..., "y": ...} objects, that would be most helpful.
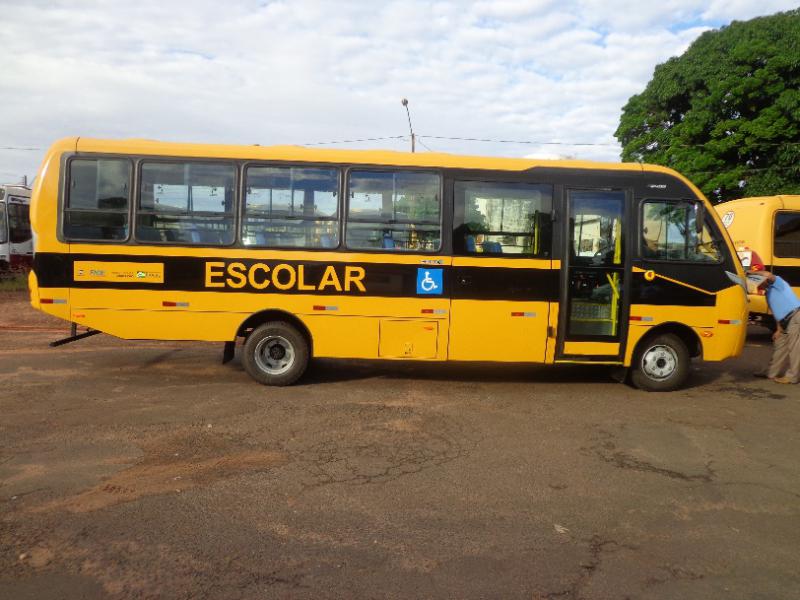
[{"x": 781, "y": 299}]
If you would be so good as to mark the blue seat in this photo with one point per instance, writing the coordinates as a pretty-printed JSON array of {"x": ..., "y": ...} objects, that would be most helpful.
[{"x": 492, "y": 247}]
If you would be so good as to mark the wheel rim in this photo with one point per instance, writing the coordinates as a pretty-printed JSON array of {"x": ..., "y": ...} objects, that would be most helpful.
[
  {"x": 659, "y": 362},
  {"x": 274, "y": 355}
]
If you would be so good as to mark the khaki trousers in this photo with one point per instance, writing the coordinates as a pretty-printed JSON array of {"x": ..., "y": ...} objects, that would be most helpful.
[{"x": 786, "y": 353}]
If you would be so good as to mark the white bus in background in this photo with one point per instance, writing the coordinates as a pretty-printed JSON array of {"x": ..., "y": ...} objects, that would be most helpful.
[{"x": 16, "y": 245}]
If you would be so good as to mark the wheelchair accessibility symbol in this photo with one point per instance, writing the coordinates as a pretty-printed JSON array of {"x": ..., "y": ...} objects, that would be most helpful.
[{"x": 429, "y": 281}]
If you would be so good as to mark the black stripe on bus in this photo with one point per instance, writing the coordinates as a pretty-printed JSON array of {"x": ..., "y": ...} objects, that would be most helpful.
[
  {"x": 185, "y": 273},
  {"x": 188, "y": 273},
  {"x": 661, "y": 292}
]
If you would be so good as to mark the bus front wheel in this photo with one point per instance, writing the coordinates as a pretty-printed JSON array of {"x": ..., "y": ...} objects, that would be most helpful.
[
  {"x": 275, "y": 353},
  {"x": 661, "y": 363}
]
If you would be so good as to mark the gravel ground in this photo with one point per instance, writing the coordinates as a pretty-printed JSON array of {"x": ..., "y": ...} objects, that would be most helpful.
[{"x": 150, "y": 470}]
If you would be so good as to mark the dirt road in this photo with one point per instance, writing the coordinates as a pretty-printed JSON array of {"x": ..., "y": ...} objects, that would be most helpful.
[{"x": 150, "y": 470}]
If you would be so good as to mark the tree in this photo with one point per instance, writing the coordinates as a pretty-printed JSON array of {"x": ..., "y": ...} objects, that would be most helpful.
[{"x": 726, "y": 113}]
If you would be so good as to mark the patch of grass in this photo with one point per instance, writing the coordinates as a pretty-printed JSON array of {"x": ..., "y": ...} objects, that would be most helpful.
[{"x": 13, "y": 283}]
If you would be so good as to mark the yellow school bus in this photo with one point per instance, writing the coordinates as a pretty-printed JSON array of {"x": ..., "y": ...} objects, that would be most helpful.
[
  {"x": 765, "y": 229},
  {"x": 297, "y": 253}
]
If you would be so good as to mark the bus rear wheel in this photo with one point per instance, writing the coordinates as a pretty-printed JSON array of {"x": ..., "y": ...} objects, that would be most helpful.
[
  {"x": 275, "y": 353},
  {"x": 661, "y": 363}
]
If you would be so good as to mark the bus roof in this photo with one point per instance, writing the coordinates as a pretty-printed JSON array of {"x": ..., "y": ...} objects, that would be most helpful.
[
  {"x": 366, "y": 157},
  {"x": 15, "y": 190},
  {"x": 777, "y": 202}
]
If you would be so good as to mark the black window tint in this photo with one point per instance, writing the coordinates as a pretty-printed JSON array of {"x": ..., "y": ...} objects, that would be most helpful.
[
  {"x": 503, "y": 218},
  {"x": 396, "y": 211},
  {"x": 669, "y": 232},
  {"x": 787, "y": 234},
  {"x": 186, "y": 203},
  {"x": 97, "y": 199},
  {"x": 291, "y": 207},
  {"x": 19, "y": 223}
]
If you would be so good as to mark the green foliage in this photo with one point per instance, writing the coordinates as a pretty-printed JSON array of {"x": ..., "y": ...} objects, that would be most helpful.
[
  {"x": 13, "y": 282},
  {"x": 726, "y": 113}
]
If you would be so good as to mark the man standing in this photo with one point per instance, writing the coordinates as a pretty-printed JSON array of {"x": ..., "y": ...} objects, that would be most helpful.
[{"x": 785, "y": 306}]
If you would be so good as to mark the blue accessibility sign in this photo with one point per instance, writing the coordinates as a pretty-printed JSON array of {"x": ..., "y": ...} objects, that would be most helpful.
[{"x": 429, "y": 281}]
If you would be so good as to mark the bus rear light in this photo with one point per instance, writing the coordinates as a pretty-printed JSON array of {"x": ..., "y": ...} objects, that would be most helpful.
[
  {"x": 170, "y": 304},
  {"x": 433, "y": 311},
  {"x": 729, "y": 322},
  {"x": 639, "y": 318},
  {"x": 325, "y": 308},
  {"x": 523, "y": 314},
  {"x": 53, "y": 301}
]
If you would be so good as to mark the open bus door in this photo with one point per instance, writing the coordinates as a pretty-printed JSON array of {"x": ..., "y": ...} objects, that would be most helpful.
[{"x": 593, "y": 303}]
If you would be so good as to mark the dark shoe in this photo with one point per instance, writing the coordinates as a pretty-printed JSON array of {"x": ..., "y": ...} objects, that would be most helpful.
[{"x": 762, "y": 373}]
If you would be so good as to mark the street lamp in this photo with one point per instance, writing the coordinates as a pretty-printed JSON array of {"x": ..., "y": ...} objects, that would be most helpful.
[{"x": 404, "y": 102}]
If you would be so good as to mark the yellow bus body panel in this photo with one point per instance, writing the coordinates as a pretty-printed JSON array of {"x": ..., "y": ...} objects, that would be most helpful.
[
  {"x": 591, "y": 348},
  {"x": 485, "y": 330}
]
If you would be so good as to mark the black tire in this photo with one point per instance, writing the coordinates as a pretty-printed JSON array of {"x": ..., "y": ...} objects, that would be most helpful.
[
  {"x": 275, "y": 353},
  {"x": 660, "y": 363}
]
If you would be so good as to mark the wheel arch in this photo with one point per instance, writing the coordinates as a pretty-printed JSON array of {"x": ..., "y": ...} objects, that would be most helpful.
[
  {"x": 265, "y": 316},
  {"x": 686, "y": 334}
]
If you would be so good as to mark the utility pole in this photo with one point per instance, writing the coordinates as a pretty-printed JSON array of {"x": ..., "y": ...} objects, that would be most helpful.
[{"x": 404, "y": 102}]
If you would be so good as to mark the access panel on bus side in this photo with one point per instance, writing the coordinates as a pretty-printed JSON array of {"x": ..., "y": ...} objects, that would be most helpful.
[{"x": 502, "y": 279}]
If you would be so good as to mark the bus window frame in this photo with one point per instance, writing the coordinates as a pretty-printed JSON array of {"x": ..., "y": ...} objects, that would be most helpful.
[
  {"x": 774, "y": 229},
  {"x": 171, "y": 160},
  {"x": 707, "y": 221},
  {"x": 443, "y": 207},
  {"x": 554, "y": 199},
  {"x": 288, "y": 165},
  {"x": 66, "y": 170}
]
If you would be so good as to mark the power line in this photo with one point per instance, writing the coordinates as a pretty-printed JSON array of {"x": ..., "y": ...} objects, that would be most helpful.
[
  {"x": 525, "y": 142},
  {"x": 377, "y": 139},
  {"x": 21, "y": 148}
]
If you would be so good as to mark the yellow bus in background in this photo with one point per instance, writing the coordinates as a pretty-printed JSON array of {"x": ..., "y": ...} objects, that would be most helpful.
[
  {"x": 766, "y": 230},
  {"x": 299, "y": 253}
]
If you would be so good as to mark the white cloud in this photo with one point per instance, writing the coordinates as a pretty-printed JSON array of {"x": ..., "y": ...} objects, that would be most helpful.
[{"x": 305, "y": 71}]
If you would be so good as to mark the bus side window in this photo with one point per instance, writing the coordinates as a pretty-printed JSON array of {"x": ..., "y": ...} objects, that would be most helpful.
[
  {"x": 394, "y": 211},
  {"x": 291, "y": 207},
  {"x": 787, "y": 234},
  {"x": 186, "y": 203},
  {"x": 669, "y": 232},
  {"x": 503, "y": 219},
  {"x": 98, "y": 197},
  {"x": 19, "y": 223}
]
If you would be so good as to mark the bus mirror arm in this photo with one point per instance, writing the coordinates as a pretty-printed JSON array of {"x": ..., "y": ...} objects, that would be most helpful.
[{"x": 699, "y": 218}]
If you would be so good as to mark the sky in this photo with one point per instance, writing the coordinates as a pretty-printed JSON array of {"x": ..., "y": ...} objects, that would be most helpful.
[{"x": 543, "y": 78}]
